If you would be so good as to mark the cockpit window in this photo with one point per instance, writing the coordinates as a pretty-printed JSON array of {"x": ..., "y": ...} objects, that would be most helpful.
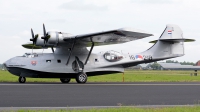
[
  {"x": 30, "y": 55},
  {"x": 113, "y": 56}
]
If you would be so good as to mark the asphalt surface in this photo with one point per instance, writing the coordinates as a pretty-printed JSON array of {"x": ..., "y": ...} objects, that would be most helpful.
[{"x": 98, "y": 94}]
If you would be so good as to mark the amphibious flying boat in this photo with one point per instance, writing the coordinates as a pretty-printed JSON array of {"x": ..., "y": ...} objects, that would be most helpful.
[{"x": 72, "y": 59}]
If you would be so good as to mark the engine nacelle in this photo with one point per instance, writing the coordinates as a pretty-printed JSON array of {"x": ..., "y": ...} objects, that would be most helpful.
[
  {"x": 53, "y": 38},
  {"x": 39, "y": 41}
]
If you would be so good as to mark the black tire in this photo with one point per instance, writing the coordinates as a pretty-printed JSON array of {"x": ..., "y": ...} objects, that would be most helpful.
[
  {"x": 65, "y": 80},
  {"x": 81, "y": 78},
  {"x": 22, "y": 79}
]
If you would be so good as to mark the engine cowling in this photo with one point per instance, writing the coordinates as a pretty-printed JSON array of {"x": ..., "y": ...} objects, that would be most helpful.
[
  {"x": 49, "y": 39},
  {"x": 39, "y": 41},
  {"x": 53, "y": 38}
]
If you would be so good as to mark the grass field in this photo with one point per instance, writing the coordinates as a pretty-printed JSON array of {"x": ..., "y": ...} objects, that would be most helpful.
[
  {"x": 126, "y": 109},
  {"x": 129, "y": 76}
]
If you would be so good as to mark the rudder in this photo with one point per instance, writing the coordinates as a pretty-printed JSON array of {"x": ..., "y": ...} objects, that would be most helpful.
[
  {"x": 172, "y": 32},
  {"x": 170, "y": 44}
]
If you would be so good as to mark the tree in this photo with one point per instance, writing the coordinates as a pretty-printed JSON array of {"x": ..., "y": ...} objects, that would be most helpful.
[{"x": 155, "y": 66}]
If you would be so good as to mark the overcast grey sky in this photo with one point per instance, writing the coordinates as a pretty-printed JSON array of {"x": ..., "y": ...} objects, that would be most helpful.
[{"x": 17, "y": 17}]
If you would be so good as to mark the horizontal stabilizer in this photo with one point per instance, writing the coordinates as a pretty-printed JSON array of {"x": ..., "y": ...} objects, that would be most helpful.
[{"x": 173, "y": 40}]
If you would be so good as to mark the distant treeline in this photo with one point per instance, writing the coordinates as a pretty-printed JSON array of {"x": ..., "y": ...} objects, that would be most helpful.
[
  {"x": 1, "y": 67},
  {"x": 182, "y": 63}
]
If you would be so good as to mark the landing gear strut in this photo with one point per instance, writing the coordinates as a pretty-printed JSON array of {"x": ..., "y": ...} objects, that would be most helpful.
[
  {"x": 81, "y": 77},
  {"x": 22, "y": 79},
  {"x": 66, "y": 80}
]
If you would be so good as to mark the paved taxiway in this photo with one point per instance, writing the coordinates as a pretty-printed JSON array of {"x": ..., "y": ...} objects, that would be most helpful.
[{"x": 98, "y": 94}]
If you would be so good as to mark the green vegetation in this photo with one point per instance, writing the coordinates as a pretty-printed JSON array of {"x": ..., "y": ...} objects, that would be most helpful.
[
  {"x": 155, "y": 66},
  {"x": 126, "y": 109},
  {"x": 1, "y": 66},
  {"x": 148, "y": 76},
  {"x": 5, "y": 76},
  {"x": 129, "y": 76}
]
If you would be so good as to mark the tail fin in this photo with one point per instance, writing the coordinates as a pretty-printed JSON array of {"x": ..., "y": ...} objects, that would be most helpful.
[
  {"x": 170, "y": 44},
  {"x": 172, "y": 32}
]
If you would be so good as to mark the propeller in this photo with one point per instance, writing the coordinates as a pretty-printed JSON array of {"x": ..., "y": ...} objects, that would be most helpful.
[
  {"x": 46, "y": 36},
  {"x": 34, "y": 38}
]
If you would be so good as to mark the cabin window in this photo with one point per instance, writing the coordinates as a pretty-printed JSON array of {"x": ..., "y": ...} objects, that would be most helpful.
[
  {"x": 48, "y": 61},
  {"x": 96, "y": 60},
  {"x": 59, "y": 61}
]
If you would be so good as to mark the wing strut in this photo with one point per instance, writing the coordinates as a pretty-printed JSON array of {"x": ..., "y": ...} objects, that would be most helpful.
[
  {"x": 79, "y": 64},
  {"x": 71, "y": 49},
  {"x": 89, "y": 52},
  {"x": 52, "y": 49}
]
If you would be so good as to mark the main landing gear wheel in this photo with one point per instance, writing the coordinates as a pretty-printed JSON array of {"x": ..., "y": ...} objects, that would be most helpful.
[
  {"x": 81, "y": 78},
  {"x": 22, "y": 79},
  {"x": 66, "y": 80}
]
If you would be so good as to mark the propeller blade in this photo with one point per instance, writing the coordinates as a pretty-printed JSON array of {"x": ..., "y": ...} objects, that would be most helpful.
[
  {"x": 44, "y": 30},
  {"x": 35, "y": 39},
  {"x": 32, "y": 33},
  {"x": 45, "y": 37},
  {"x": 32, "y": 39},
  {"x": 44, "y": 41}
]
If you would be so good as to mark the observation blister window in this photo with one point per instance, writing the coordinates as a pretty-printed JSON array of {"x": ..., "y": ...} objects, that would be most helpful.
[{"x": 113, "y": 56}]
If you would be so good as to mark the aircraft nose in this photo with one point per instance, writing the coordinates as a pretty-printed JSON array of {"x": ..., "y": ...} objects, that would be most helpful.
[{"x": 6, "y": 64}]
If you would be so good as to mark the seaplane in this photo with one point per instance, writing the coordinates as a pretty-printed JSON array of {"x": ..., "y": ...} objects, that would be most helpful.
[{"x": 70, "y": 58}]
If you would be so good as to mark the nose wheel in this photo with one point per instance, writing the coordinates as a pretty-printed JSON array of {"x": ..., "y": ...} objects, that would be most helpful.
[
  {"x": 22, "y": 79},
  {"x": 81, "y": 78}
]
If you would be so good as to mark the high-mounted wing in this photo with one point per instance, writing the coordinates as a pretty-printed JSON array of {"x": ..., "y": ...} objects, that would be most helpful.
[
  {"x": 110, "y": 37},
  {"x": 55, "y": 39}
]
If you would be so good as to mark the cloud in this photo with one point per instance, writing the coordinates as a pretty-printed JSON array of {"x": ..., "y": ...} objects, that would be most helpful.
[
  {"x": 80, "y": 5},
  {"x": 155, "y": 1},
  {"x": 25, "y": 33},
  {"x": 57, "y": 21},
  {"x": 88, "y": 16}
]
